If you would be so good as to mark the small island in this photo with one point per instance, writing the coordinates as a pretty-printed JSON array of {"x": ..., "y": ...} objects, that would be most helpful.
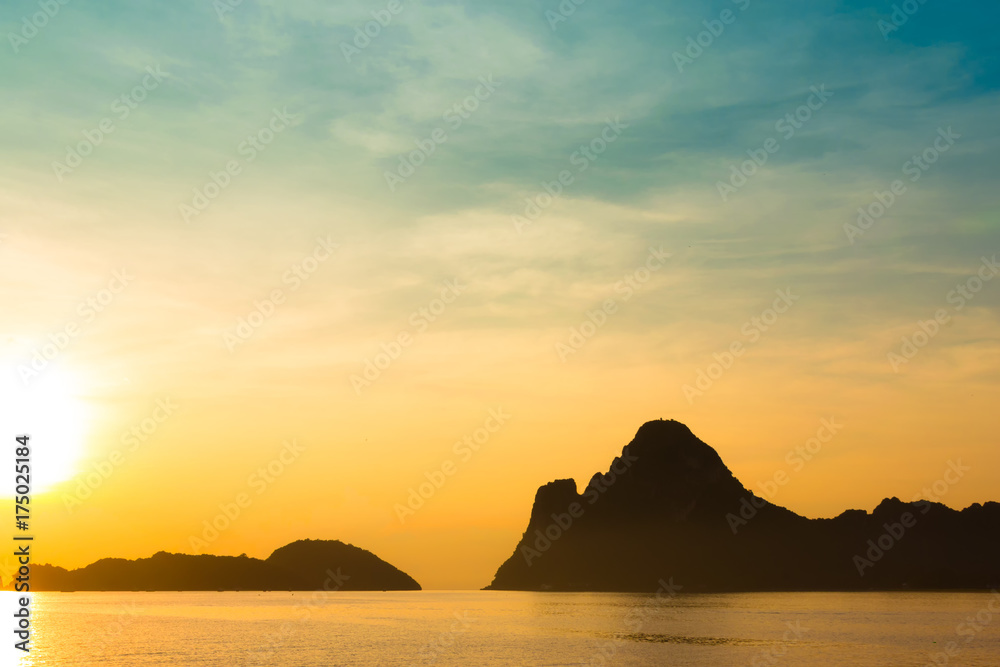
[{"x": 304, "y": 565}]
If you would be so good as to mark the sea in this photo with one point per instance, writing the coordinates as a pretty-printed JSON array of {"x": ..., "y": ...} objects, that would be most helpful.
[{"x": 303, "y": 629}]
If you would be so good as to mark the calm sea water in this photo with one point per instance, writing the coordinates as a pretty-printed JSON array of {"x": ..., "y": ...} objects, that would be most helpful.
[{"x": 499, "y": 628}]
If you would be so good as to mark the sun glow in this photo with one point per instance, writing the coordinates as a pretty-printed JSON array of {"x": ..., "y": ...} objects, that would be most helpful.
[{"x": 50, "y": 411}]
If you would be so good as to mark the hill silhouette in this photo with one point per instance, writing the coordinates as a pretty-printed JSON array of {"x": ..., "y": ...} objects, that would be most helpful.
[
  {"x": 302, "y": 565},
  {"x": 669, "y": 508}
]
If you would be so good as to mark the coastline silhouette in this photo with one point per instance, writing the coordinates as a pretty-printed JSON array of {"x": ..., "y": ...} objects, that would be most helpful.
[
  {"x": 301, "y": 565},
  {"x": 669, "y": 508}
]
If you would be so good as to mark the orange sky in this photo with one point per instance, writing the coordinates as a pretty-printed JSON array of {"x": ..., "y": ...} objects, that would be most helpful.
[
  {"x": 360, "y": 457},
  {"x": 564, "y": 255}
]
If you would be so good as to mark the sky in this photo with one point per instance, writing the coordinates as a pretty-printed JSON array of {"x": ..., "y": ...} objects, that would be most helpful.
[{"x": 265, "y": 271}]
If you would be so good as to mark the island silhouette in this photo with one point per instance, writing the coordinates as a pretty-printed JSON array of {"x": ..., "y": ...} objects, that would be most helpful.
[
  {"x": 302, "y": 565},
  {"x": 668, "y": 509}
]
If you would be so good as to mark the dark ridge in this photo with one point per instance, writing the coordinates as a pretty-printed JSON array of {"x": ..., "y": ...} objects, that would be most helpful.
[
  {"x": 668, "y": 507},
  {"x": 320, "y": 561},
  {"x": 302, "y": 565}
]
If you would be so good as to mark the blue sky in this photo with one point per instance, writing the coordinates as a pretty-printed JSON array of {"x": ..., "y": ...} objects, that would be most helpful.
[{"x": 226, "y": 72}]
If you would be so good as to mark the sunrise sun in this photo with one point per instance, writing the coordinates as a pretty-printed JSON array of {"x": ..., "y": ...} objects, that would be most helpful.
[{"x": 48, "y": 409}]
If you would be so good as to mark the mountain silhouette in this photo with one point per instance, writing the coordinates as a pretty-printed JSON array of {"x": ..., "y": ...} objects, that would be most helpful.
[
  {"x": 302, "y": 565},
  {"x": 669, "y": 508}
]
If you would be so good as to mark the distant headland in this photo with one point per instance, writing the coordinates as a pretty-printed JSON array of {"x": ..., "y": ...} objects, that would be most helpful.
[
  {"x": 303, "y": 565},
  {"x": 669, "y": 508}
]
